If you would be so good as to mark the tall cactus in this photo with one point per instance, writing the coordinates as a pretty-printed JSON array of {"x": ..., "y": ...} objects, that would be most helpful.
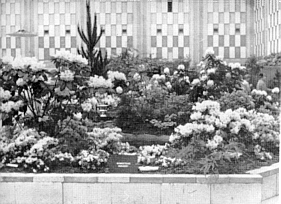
[{"x": 91, "y": 37}]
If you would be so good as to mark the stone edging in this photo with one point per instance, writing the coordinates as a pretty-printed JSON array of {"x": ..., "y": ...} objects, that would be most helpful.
[{"x": 253, "y": 176}]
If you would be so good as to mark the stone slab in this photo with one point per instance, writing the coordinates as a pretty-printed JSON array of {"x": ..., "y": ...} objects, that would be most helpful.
[
  {"x": 236, "y": 193},
  {"x": 114, "y": 178},
  {"x": 213, "y": 179},
  {"x": 7, "y": 193},
  {"x": 81, "y": 178},
  {"x": 48, "y": 178},
  {"x": 90, "y": 193},
  {"x": 185, "y": 193},
  {"x": 269, "y": 187},
  {"x": 146, "y": 178},
  {"x": 136, "y": 193},
  {"x": 38, "y": 193}
]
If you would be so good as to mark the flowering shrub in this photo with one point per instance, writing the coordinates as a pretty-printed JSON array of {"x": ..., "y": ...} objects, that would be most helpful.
[
  {"x": 92, "y": 159},
  {"x": 39, "y": 152},
  {"x": 235, "y": 100},
  {"x": 107, "y": 139},
  {"x": 216, "y": 78},
  {"x": 154, "y": 155},
  {"x": 28, "y": 149},
  {"x": 213, "y": 136}
]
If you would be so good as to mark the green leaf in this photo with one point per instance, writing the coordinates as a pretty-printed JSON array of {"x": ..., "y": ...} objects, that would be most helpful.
[{"x": 63, "y": 85}]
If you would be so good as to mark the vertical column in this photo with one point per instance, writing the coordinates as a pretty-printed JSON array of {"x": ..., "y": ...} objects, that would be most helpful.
[
  {"x": 148, "y": 29},
  {"x": 137, "y": 26},
  {"x": 195, "y": 35},
  {"x": 145, "y": 22},
  {"x": 250, "y": 31},
  {"x": 23, "y": 25}
]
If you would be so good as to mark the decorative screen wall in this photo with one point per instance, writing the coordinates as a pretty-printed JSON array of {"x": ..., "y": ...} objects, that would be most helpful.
[
  {"x": 10, "y": 15},
  {"x": 267, "y": 27},
  {"x": 57, "y": 26},
  {"x": 169, "y": 29},
  {"x": 116, "y": 17},
  {"x": 227, "y": 28}
]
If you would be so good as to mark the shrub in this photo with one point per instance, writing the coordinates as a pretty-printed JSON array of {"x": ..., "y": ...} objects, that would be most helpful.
[
  {"x": 214, "y": 137},
  {"x": 235, "y": 100}
]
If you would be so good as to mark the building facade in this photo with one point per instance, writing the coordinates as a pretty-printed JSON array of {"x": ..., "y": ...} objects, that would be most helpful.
[{"x": 168, "y": 29}]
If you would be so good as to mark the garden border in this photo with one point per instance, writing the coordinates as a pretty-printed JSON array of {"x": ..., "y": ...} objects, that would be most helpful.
[{"x": 252, "y": 188}]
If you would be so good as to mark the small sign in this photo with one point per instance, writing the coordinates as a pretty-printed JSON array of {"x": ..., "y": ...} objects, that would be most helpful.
[{"x": 123, "y": 164}]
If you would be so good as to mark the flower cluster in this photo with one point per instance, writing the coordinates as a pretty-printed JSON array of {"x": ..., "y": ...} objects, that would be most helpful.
[
  {"x": 42, "y": 144},
  {"x": 236, "y": 66},
  {"x": 259, "y": 92},
  {"x": 148, "y": 154},
  {"x": 215, "y": 127},
  {"x": 107, "y": 138},
  {"x": 10, "y": 105},
  {"x": 99, "y": 82},
  {"x": 67, "y": 75},
  {"x": 115, "y": 75},
  {"x": 266, "y": 127},
  {"x": 63, "y": 157},
  {"x": 207, "y": 105},
  {"x": 67, "y": 55},
  {"x": 92, "y": 159},
  {"x": 275, "y": 90},
  {"x": 4, "y": 94},
  {"x": 213, "y": 144},
  {"x": 169, "y": 161}
]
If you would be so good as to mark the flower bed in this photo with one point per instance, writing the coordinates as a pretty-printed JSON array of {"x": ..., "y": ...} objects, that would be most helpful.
[
  {"x": 55, "y": 118},
  {"x": 256, "y": 187}
]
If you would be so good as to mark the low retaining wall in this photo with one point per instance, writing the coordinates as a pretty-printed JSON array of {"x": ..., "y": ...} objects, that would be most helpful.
[{"x": 252, "y": 188}]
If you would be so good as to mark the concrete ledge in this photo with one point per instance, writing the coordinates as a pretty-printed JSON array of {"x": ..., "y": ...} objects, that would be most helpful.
[
  {"x": 266, "y": 170},
  {"x": 258, "y": 186},
  {"x": 80, "y": 178}
]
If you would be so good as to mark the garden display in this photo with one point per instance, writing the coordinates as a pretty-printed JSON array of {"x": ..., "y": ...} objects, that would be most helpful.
[
  {"x": 75, "y": 117},
  {"x": 51, "y": 118}
]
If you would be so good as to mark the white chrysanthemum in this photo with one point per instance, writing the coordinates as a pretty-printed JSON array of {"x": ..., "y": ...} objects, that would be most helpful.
[
  {"x": 211, "y": 71},
  {"x": 269, "y": 98},
  {"x": 7, "y": 59},
  {"x": 77, "y": 116},
  {"x": 211, "y": 144},
  {"x": 218, "y": 139},
  {"x": 99, "y": 82},
  {"x": 166, "y": 70},
  {"x": 67, "y": 55},
  {"x": 196, "y": 116},
  {"x": 210, "y": 83},
  {"x": 137, "y": 77},
  {"x": 195, "y": 82},
  {"x": 5, "y": 94},
  {"x": 119, "y": 90},
  {"x": 209, "y": 51},
  {"x": 115, "y": 75},
  {"x": 219, "y": 57},
  {"x": 67, "y": 75},
  {"x": 181, "y": 67},
  {"x": 86, "y": 106},
  {"x": 275, "y": 90},
  {"x": 20, "y": 82}
]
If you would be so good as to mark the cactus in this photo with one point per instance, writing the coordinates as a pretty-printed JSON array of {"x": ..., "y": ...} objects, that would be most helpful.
[{"x": 91, "y": 37}]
